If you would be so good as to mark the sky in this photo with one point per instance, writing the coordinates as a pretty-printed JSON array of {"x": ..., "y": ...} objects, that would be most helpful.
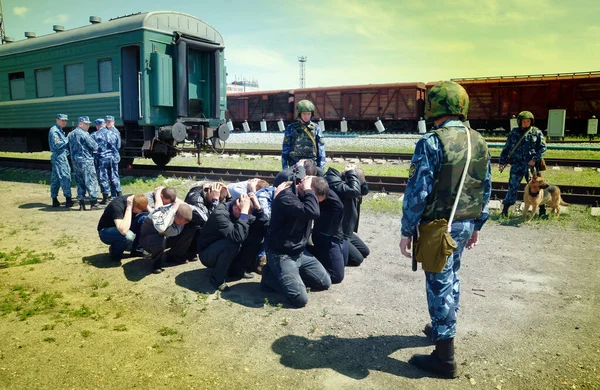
[{"x": 349, "y": 42}]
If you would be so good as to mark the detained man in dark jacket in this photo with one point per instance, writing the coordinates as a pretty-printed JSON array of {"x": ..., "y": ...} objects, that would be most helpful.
[
  {"x": 350, "y": 187},
  {"x": 329, "y": 245},
  {"x": 289, "y": 267},
  {"x": 224, "y": 233}
]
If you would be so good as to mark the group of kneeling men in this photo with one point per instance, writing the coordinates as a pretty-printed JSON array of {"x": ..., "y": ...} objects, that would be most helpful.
[{"x": 249, "y": 227}]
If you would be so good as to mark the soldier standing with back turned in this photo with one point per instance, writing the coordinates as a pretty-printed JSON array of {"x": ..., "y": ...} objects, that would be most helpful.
[
  {"x": 435, "y": 172},
  {"x": 61, "y": 170}
]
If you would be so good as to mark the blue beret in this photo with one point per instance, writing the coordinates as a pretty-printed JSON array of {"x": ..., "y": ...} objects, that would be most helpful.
[
  {"x": 83, "y": 119},
  {"x": 62, "y": 117},
  {"x": 109, "y": 118},
  {"x": 99, "y": 121}
]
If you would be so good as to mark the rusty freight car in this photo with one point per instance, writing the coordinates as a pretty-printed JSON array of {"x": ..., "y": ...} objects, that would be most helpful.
[
  {"x": 399, "y": 106},
  {"x": 256, "y": 106},
  {"x": 494, "y": 100}
]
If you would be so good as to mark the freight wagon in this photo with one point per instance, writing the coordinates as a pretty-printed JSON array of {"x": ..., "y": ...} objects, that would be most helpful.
[
  {"x": 160, "y": 74},
  {"x": 399, "y": 106},
  {"x": 494, "y": 100}
]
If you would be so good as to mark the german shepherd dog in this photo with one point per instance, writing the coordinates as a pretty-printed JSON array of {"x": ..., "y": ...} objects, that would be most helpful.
[{"x": 538, "y": 192}]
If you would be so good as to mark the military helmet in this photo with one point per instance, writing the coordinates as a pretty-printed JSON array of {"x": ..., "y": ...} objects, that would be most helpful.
[
  {"x": 524, "y": 115},
  {"x": 446, "y": 98},
  {"x": 305, "y": 106}
]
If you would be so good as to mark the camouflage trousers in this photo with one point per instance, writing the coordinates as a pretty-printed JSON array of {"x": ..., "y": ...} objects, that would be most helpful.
[
  {"x": 113, "y": 176},
  {"x": 103, "y": 168},
  {"x": 443, "y": 288},
  {"x": 517, "y": 172},
  {"x": 85, "y": 177},
  {"x": 61, "y": 175}
]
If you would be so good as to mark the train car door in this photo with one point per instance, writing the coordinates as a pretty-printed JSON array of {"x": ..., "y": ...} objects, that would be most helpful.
[
  {"x": 351, "y": 105},
  {"x": 200, "y": 81},
  {"x": 130, "y": 65}
]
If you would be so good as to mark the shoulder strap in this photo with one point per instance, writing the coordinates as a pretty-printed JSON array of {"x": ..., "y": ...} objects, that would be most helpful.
[
  {"x": 518, "y": 143},
  {"x": 462, "y": 180},
  {"x": 311, "y": 137}
]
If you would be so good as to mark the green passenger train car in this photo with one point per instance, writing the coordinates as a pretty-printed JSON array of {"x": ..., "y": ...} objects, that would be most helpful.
[{"x": 160, "y": 74}]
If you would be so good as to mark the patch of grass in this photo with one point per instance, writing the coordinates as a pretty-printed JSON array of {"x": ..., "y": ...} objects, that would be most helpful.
[
  {"x": 19, "y": 300},
  {"x": 382, "y": 203},
  {"x": 50, "y": 340},
  {"x": 118, "y": 314},
  {"x": 98, "y": 283},
  {"x": 63, "y": 241},
  {"x": 94, "y": 294},
  {"x": 166, "y": 331},
  {"x": 20, "y": 256},
  {"x": 85, "y": 333},
  {"x": 83, "y": 311},
  {"x": 578, "y": 218},
  {"x": 313, "y": 328},
  {"x": 120, "y": 328},
  {"x": 48, "y": 327}
]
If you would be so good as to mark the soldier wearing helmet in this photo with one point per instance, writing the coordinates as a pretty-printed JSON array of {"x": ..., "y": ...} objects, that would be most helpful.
[
  {"x": 525, "y": 146},
  {"x": 303, "y": 139},
  {"x": 434, "y": 176}
]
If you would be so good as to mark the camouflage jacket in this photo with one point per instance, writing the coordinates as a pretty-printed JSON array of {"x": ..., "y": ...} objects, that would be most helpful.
[
  {"x": 116, "y": 144},
  {"x": 426, "y": 164},
  {"x": 102, "y": 137},
  {"x": 57, "y": 140},
  {"x": 532, "y": 147},
  {"x": 297, "y": 145},
  {"x": 81, "y": 145}
]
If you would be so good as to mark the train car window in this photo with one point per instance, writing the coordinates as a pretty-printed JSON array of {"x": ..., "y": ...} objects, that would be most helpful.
[
  {"x": 17, "y": 85},
  {"x": 43, "y": 83},
  {"x": 74, "y": 79},
  {"x": 105, "y": 78}
]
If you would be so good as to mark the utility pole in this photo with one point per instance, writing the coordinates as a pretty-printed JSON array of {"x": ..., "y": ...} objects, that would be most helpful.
[
  {"x": 2, "y": 32},
  {"x": 302, "y": 60}
]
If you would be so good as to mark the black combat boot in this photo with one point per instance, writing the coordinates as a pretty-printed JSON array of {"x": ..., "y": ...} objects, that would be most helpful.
[
  {"x": 82, "y": 205},
  {"x": 104, "y": 199},
  {"x": 119, "y": 193},
  {"x": 69, "y": 202},
  {"x": 440, "y": 362},
  {"x": 55, "y": 202},
  {"x": 505, "y": 210},
  {"x": 543, "y": 214},
  {"x": 94, "y": 205}
]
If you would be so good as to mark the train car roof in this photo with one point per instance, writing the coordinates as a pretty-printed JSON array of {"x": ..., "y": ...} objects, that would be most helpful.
[
  {"x": 524, "y": 78},
  {"x": 168, "y": 22}
]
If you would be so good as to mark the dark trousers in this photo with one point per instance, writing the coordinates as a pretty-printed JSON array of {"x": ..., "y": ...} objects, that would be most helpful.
[
  {"x": 155, "y": 244},
  {"x": 357, "y": 250},
  {"x": 219, "y": 255},
  {"x": 288, "y": 274},
  {"x": 332, "y": 253},
  {"x": 246, "y": 260}
]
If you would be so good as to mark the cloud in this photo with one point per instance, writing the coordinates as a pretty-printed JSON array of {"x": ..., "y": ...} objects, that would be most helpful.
[
  {"x": 60, "y": 18},
  {"x": 20, "y": 10}
]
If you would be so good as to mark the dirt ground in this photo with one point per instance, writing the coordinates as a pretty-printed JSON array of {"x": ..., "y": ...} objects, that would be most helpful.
[{"x": 529, "y": 317}]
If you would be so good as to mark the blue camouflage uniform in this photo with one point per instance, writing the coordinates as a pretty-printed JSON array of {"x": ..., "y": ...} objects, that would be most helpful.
[
  {"x": 115, "y": 146},
  {"x": 532, "y": 147},
  {"x": 103, "y": 158},
  {"x": 61, "y": 171},
  {"x": 443, "y": 288},
  {"x": 82, "y": 148},
  {"x": 298, "y": 145}
]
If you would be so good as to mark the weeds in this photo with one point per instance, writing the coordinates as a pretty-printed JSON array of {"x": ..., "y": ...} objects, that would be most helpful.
[
  {"x": 48, "y": 327},
  {"x": 166, "y": 331},
  {"x": 98, "y": 283},
  {"x": 63, "y": 241},
  {"x": 83, "y": 311},
  {"x": 19, "y": 257},
  {"x": 50, "y": 340},
  {"x": 85, "y": 333},
  {"x": 120, "y": 328}
]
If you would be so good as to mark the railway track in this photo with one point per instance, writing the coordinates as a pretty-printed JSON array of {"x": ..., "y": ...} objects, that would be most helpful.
[
  {"x": 562, "y": 162},
  {"x": 571, "y": 194}
]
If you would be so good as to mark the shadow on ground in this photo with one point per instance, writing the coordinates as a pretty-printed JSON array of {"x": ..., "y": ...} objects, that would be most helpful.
[
  {"x": 45, "y": 207},
  {"x": 351, "y": 357},
  {"x": 246, "y": 292},
  {"x": 101, "y": 260}
]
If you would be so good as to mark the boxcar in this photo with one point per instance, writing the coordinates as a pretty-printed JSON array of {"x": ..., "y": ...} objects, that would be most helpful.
[
  {"x": 160, "y": 74},
  {"x": 256, "y": 106},
  {"x": 494, "y": 100}
]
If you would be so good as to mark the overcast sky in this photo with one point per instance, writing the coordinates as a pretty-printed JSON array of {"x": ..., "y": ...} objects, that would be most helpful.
[{"x": 364, "y": 41}]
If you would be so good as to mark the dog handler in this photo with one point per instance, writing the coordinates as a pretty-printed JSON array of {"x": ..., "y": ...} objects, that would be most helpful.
[
  {"x": 435, "y": 172},
  {"x": 524, "y": 148},
  {"x": 303, "y": 138}
]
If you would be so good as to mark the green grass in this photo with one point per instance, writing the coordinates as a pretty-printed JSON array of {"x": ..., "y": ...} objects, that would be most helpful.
[
  {"x": 578, "y": 218},
  {"x": 20, "y": 256},
  {"x": 19, "y": 299},
  {"x": 120, "y": 328},
  {"x": 63, "y": 241},
  {"x": 166, "y": 331}
]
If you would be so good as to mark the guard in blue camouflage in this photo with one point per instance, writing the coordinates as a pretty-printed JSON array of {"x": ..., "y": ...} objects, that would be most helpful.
[
  {"x": 115, "y": 146},
  {"x": 61, "y": 170},
  {"x": 434, "y": 176},
  {"x": 82, "y": 148},
  {"x": 103, "y": 158},
  {"x": 524, "y": 148},
  {"x": 303, "y": 139}
]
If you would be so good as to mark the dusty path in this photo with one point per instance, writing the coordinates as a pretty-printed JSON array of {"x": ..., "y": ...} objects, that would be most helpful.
[{"x": 529, "y": 317}]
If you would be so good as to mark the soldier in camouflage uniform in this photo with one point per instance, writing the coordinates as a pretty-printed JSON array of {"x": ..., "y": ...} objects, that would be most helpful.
[
  {"x": 115, "y": 145},
  {"x": 61, "y": 170},
  {"x": 103, "y": 157},
  {"x": 303, "y": 139},
  {"x": 435, "y": 172},
  {"x": 523, "y": 157},
  {"x": 82, "y": 148}
]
